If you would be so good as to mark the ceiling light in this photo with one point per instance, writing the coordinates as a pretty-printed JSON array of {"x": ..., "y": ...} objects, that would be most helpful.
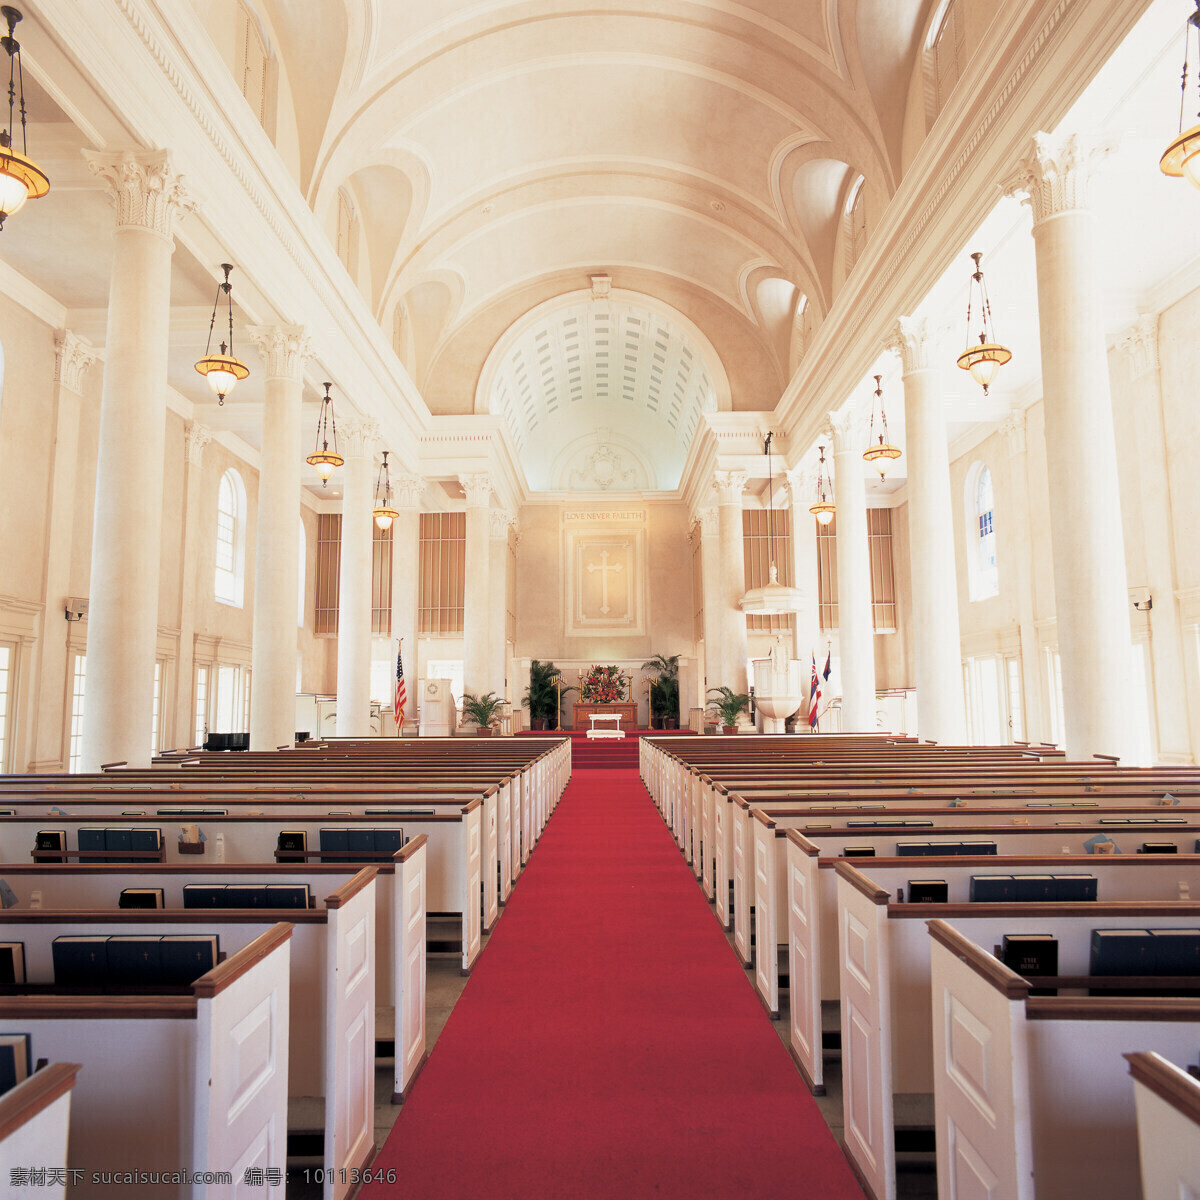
[
  {"x": 824, "y": 508},
  {"x": 222, "y": 370},
  {"x": 21, "y": 178},
  {"x": 985, "y": 359},
  {"x": 322, "y": 459},
  {"x": 880, "y": 454},
  {"x": 774, "y": 597},
  {"x": 384, "y": 512},
  {"x": 1182, "y": 156}
]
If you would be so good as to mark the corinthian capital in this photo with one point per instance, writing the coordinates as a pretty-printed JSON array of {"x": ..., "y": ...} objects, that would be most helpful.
[
  {"x": 72, "y": 357},
  {"x": 729, "y": 486},
  {"x": 847, "y": 429},
  {"x": 1054, "y": 177},
  {"x": 359, "y": 438},
  {"x": 500, "y": 522},
  {"x": 1140, "y": 343},
  {"x": 478, "y": 489},
  {"x": 917, "y": 341},
  {"x": 146, "y": 191},
  {"x": 407, "y": 490},
  {"x": 195, "y": 438},
  {"x": 706, "y": 518},
  {"x": 284, "y": 349}
]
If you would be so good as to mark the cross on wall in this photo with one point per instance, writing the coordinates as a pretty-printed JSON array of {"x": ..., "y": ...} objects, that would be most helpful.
[{"x": 603, "y": 567}]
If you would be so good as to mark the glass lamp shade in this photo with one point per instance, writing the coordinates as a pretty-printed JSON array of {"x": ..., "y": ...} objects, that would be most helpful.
[
  {"x": 384, "y": 515},
  {"x": 222, "y": 371},
  {"x": 772, "y": 598},
  {"x": 882, "y": 456},
  {"x": 823, "y": 511},
  {"x": 984, "y": 362},
  {"x": 21, "y": 179},
  {"x": 1182, "y": 157},
  {"x": 324, "y": 463}
]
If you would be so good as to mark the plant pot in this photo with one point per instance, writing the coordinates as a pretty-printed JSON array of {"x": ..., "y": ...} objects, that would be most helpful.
[
  {"x": 670, "y": 723},
  {"x": 538, "y": 724},
  {"x": 483, "y": 731},
  {"x": 729, "y": 729}
]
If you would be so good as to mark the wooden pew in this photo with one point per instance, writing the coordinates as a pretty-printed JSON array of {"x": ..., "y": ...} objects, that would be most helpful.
[
  {"x": 35, "y": 1119},
  {"x": 220, "y": 1104},
  {"x": 1168, "y": 1120},
  {"x": 1031, "y": 1094}
]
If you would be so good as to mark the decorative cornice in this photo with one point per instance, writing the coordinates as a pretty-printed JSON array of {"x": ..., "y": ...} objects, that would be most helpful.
[
  {"x": 359, "y": 437},
  {"x": 729, "y": 486},
  {"x": 1140, "y": 343},
  {"x": 407, "y": 490},
  {"x": 284, "y": 349},
  {"x": 146, "y": 191},
  {"x": 1054, "y": 177},
  {"x": 477, "y": 487},
  {"x": 1013, "y": 428},
  {"x": 195, "y": 438},
  {"x": 72, "y": 357},
  {"x": 916, "y": 340}
]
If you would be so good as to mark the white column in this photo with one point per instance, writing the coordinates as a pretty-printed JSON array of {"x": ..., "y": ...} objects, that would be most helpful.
[
  {"x": 806, "y": 633},
  {"x": 1091, "y": 593},
  {"x": 1158, "y": 523},
  {"x": 710, "y": 571},
  {"x": 476, "y": 598},
  {"x": 1020, "y": 538},
  {"x": 499, "y": 524},
  {"x": 195, "y": 440},
  {"x": 284, "y": 350},
  {"x": 729, "y": 486},
  {"x": 72, "y": 358},
  {"x": 406, "y": 563},
  {"x": 357, "y": 440},
  {"x": 856, "y": 627},
  {"x": 937, "y": 648},
  {"x": 127, "y": 525}
]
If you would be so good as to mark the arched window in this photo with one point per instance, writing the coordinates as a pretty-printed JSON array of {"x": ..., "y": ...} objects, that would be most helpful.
[
  {"x": 252, "y": 62},
  {"x": 229, "y": 579},
  {"x": 946, "y": 51},
  {"x": 300, "y": 576},
  {"x": 855, "y": 217},
  {"x": 983, "y": 579}
]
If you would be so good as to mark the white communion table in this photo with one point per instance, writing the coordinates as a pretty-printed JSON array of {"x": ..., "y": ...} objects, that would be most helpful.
[{"x": 605, "y": 733}]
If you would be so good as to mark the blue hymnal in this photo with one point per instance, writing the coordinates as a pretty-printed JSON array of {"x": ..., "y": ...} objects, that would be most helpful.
[
  {"x": 361, "y": 842},
  {"x": 1074, "y": 887},
  {"x": 1122, "y": 952},
  {"x": 133, "y": 960},
  {"x": 994, "y": 889},
  {"x": 287, "y": 895},
  {"x": 185, "y": 957},
  {"x": 79, "y": 960},
  {"x": 1177, "y": 951},
  {"x": 336, "y": 840},
  {"x": 1034, "y": 888},
  {"x": 91, "y": 843},
  {"x": 203, "y": 895},
  {"x": 387, "y": 842}
]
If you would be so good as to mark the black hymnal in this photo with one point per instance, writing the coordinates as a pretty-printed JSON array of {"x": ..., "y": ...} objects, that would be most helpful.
[
  {"x": 1158, "y": 848},
  {"x": 1034, "y": 888},
  {"x": 141, "y": 898},
  {"x": 203, "y": 895},
  {"x": 133, "y": 960},
  {"x": 1075, "y": 887},
  {"x": 80, "y": 960},
  {"x": 294, "y": 841},
  {"x": 858, "y": 851},
  {"x": 1030, "y": 955},
  {"x": 50, "y": 839},
  {"x": 187, "y": 956},
  {"x": 287, "y": 895},
  {"x": 928, "y": 891},
  {"x": 16, "y": 1059},
  {"x": 12, "y": 962},
  {"x": 1123, "y": 952},
  {"x": 994, "y": 889},
  {"x": 241, "y": 895}
]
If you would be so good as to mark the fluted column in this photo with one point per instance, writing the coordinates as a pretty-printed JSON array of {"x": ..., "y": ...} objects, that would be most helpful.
[
  {"x": 406, "y": 563},
  {"x": 195, "y": 439},
  {"x": 710, "y": 571},
  {"x": 937, "y": 648},
  {"x": 1090, "y": 588},
  {"x": 127, "y": 526},
  {"x": 1166, "y": 647},
  {"x": 284, "y": 350},
  {"x": 499, "y": 523},
  {"x": 729, "y": 486},
  {"x": 357, "y": 440},
  {"x": 806, "y": 634},
  {"x": 72, "y": 358},
  {"x": 856, "y": 627},
  {"x": 476, "y": 598}
]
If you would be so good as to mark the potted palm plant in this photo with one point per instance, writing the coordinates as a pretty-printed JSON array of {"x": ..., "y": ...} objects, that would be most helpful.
[
  {"x": 729, "y": 705},
  {"x": 541, "y": 696},
  {"x": 483, "y": 710},
  {"x": 664, "y": 691}
]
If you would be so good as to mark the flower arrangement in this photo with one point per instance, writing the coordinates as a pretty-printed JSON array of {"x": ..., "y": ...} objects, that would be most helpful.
[{"x": 603, "y": 685}]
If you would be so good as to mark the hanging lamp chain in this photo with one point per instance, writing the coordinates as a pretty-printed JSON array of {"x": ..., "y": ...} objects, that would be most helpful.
[{"x": 16, "y": 78}]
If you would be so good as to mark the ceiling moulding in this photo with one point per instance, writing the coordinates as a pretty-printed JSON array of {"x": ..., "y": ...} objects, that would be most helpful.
[
  {"x": 246, "y": 192},
  {"x": 485, "y": 442},
  {"x": 1039, "y": 60}
]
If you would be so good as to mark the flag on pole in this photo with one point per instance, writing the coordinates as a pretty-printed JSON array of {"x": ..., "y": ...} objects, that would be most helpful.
[
  {"x": 814, "y": 696},
  {"x": 828, "y": 666},
  {"x": 401, "y": 697}
]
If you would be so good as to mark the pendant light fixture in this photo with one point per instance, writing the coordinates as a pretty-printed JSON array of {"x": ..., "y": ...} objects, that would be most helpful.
[
  {"x": 985, "y": 359},
  {"x": 774, "y": 597},
  {"x": 324, "y": 460},
  {"x": 384, "y": 511},
  {"x": 1182, "y": 156},
  {"x": 880, "y": 454},
  {"x": 824, "y": 508},
  {"x": 222, "y": 370},
  {"x": 21, "y": 178}
]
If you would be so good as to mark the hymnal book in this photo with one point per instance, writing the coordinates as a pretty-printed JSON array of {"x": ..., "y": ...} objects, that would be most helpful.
[
  {"x": 118, "y": 842},
  {"x": 145, "y": 838},
  {"x": 292, "y": 840},
  {"x": 1031, "y": 955},
  {"x": 141, "y": 898},
  {"x": 1075, "y": 887},
  {"x": 50, "y": 839},
  {"x": 91, "y": 844},
  {"x": 1122, "y": 952},
  {"x": 387, "y": 842},
  {"x": 1034, "y": 888},
  {"x": 361, "y": 842},
  {"x": 1176, "y": 951},
  {"x": 187, "y": 956},
  {"x": 16, "y": 1060},
  {"x": 134, "y": 960},
  {"x": 336, "y": 840},
  {"x": 12, "y": 962},
  {"x": 287, "y": 895},
  {"x": 203, "y": 895},
  {"x": 858, "y": 851},
  {"x": 928, "y": 891},
  {"x": 80, "y": 960},
  {"x": 1158, "y": 848},
  {"x": 241, "y": 895},
  {"x": 978, "y": 848},
  {"x": 904, "y": 849},
  {"x": 991, "y": 889}
]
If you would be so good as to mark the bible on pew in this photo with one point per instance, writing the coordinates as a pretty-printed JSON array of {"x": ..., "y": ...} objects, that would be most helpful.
[
  {"x": 141, "y": 898},
  {"x": 16, "y": 1060}
]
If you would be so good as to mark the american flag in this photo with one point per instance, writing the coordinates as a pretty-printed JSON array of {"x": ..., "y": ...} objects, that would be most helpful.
[
  {"x": 401, "y": 697},
  {"x": 814, "y": 696}
]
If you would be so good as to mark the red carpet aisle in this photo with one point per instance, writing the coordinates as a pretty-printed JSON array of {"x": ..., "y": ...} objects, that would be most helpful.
[{"x": 608, "y": 1044}]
